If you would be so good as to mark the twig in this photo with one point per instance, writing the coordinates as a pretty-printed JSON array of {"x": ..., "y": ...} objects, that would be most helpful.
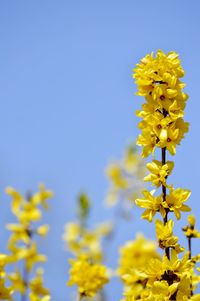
[{"x": 164, "y": 193}]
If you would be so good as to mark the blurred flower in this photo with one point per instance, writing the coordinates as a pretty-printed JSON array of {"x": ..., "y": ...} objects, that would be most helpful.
[
  {"x": 21, "y": 243},
  {"x": 125, "y": 178},
  {"x": 190, "y": 230},
  {"x": 80, "y": 240},
  {"x": 89, "y": 277}
]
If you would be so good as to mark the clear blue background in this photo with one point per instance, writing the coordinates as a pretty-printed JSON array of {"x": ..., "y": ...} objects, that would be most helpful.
[{"x": 67, "y": 104}]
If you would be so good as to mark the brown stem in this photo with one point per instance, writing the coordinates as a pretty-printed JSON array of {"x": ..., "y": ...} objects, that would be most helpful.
[
  {"x": 190, "y": 256},
  {"x": 164, "y": 193},
  {"x": 25, "y": 271},
  {"x": 25, "y": 279},
  {"x": 189, "y": 247}
]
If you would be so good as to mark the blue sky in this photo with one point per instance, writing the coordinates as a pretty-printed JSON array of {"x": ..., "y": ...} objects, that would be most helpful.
[{"x": 68, "y": 103}]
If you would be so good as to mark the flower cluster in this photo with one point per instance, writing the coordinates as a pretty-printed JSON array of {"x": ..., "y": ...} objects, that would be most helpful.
[
  {"x": 163, "y": 127},
  {"x": 190, "y": 230},
  {"x": 134, "y": 257},
  {"x": 81, "y": 240},
  {"x": 158, "y": 80},
  {"x": 88, "y": 276},
  {"x": 87, "y": 271},
  {"x": 5, "y": 291},
  {"x": 125, "y": 178},
  {"x": 22, "y": 245}
]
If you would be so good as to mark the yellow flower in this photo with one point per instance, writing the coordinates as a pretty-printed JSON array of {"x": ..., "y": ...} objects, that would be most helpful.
[
  {"x": 152, "y": 205},
  {"x": 172, "y": 270},
  {"x": 159, "y": 76},
  {"x": 4, "y": 259},
  {"x": 29, "y": 213},
  {"x": 191, "y": 220},
  {"x": 5, "y": 292},
  {"x": 17, "y": 282},
  {"x": 136, "y": 292},
  {"x": 31, "y": 256},
  {"x": 114, "y": 172},
  {"x": 27, "y": 210},
  {"x": 175, "y": 199},
  {"x": 125, "y": 178},
  {"x": 179, "y": 267},
  {"x": 192, "y": 233},
  {"x": 104, "y": 229},
  {"x": 176, "y": 110},
  {"x": 134, "y": 256},
  {"x": 89, "y": 278},
  {"x": 36, "y": 285},
  {"x": 41, "y": 197},
  {"x": 160, "y": 125},
  {"x": 164, "y": 233},
  {"x": 148, "y": 140},
  {"x": 19, "y": 232},
  {"x": 173, "y": 135},
  {"x": 153, "y": 270},
  {"x": 159, "y": 172},
  {"x": 190, "y": 230},
  {"x": 163, "y": 289},
  {"x": 158, "y": 80},
  {"x": 17, "y": 199},
  {"x": 21, "y": 243},
  {"x": 184, "y": 289},
  {"x": 80, "y": 240},
  {"x": 72, "y": 231},
  {"x": 42, "y": 230}
]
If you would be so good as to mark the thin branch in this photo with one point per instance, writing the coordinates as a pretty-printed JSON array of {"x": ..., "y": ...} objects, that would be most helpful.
[
  {"x": 25, "y": 280},
  {"x": 25, "y": 271},
  {"x": 189, "y": 247},
  {"x": 164, "y": 193},
  {"x": 190, "y": 256}
]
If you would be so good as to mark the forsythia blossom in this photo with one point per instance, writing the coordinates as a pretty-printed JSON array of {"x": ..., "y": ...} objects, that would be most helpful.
[
  {"x": 89, "y": 277},
  {"x": 5, "y": 291},
  {"x": 125, "y": 178},
  {"x": 159, "y": 172},
  {"x": 158, "y": 80},
  {"x": 80, "y": 240},
  {"x": 21, "y": 244},
  {"x": 169, "y": 277},
  {"x": 190, "y": 230},
  {"x": 87, "y": 271},
  {"x": 134, "y": 256}
]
